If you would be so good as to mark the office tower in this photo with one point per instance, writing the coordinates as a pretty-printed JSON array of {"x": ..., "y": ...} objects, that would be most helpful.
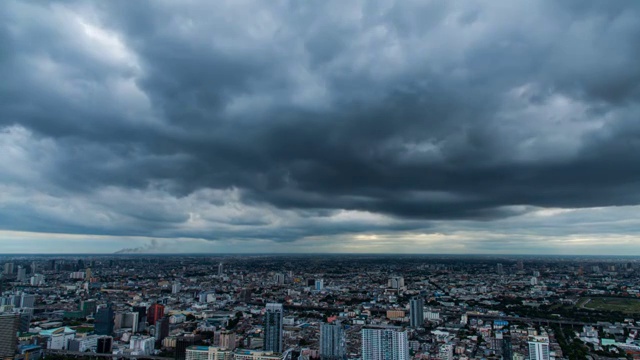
[
  {"x": 182, "y": 343},
  {"x": 104, "y": 320},
  {"x": 130, "y": 320},
  {"x": 104, "y": 345},
  {"x": 416, "y": 307},
  {"x": 332, "y": 342},
  {"x": 88, "y": 274},
  {"x": 9, "y": 326},
  {"x": 273, "y": 328},
  {"x": 539, "y": 348},
  {"x": 507, "y": 348},
  {"x": 88, "y": 307},
  {"x": 25, "y": 319},
  {"x": 162, "y": 329},
  {"x": 155, "y": 312},
  {"x": 228, "y": 340},
  {"x": 34, "y": 267},
  {"x": 499, "y": 269},
  {"x": 142, "y": 317},
  {"x": 220, "y": 269},
  {"x": 22, "y": 273},
  {"x": 384, "y": 344},
  {"x": 8, "y": 268},
  {"x": 319, "y": 284}
]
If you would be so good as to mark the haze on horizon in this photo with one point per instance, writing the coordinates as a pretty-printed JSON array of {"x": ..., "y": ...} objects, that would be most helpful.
[{"x": 458, "y": 127}]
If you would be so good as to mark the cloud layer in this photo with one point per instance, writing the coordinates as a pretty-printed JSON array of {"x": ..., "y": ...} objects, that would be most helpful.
[{"x": 291, "y": 122}]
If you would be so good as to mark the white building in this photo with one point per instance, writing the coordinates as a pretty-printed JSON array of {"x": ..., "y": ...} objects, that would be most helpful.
[
  {"x": 384, "y": 344},
  {"x": 539, "y": 348},
  {"x": 37, "y": 280},
  {"x": 58, "y": 339},
  {"x": 141, "y": 345}
]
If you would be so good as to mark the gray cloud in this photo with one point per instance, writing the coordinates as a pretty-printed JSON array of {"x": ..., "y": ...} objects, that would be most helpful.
[{"x": 142, "y": 116}]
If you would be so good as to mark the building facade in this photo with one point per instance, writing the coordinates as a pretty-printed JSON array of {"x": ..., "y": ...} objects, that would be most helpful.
[
  {"x": 273, "y": 328},
  {"x": 384, "y": 344}
]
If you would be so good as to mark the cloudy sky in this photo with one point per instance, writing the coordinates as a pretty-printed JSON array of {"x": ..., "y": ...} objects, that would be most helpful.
[{"x": 492, "y": 126}]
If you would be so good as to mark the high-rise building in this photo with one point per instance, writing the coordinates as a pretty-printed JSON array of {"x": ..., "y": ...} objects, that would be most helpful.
[
  {"x": 27, "y": 300},
  {"x": 228, "y": 340},
  {"x": 416, "y": 308},
  {"x": 220, "y": 269},
  {"x": 319, "y": 284},
  {"x": 130, "y": 320},
  {"x": 25, "y": 319},
  {"x": 155, "y": 312},
  {"x": 273, "y": 328},
  {"x": 142, "y": 317},
  {"x": 499, "y": 269},
  {"x": 175, "y": 288},
  {"x": 88, "y": 307},
  {"x": 22, "y": 273},
  {"x": 384, "y": 344},
  {"x": 332, "y": 342},
  {"x": 104, "y": 320},
  {"x": 396, "y": 282},
  {"x": 507, "y": 348},
  {"x": 162, "y": 329},
  {"x": 279, "y": 279},
  {"x": 36, "y": 280},
  {"x": 182, "y": 343},
  {"x": 104, "y": 345},
  {"x": 539, "y": 348},
  {"x": 9, "y": 326},
  {"x": 8, "y": 268}
]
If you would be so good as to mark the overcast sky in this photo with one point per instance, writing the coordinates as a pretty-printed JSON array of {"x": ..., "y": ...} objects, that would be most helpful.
[{"x": 492, "y": 126}]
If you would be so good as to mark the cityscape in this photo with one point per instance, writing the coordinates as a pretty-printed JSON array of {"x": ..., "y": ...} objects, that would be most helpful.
[
  {"x": 320, "y": 179},
  {"x": 269, "y": 307}
]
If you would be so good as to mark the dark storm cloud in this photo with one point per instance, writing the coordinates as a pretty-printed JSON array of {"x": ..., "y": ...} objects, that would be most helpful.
[{"x": 423, "y": 111}]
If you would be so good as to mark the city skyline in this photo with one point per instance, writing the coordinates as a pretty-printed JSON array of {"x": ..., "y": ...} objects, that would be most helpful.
[{"x": 482, "y": 127}]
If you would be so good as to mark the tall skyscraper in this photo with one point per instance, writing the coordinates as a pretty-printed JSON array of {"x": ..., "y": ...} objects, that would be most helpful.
[
  {"x": 539, "y": 348},
  {"x": 228, "y": 340},
  {"x": 507, "y": 348},
  {"x": 273, "y": 328},
  {"x": 8, "y": 268},
  {"x": 384, "y": 344},
  {"x": 104, "y": 320},
  {"x": 416, "y": 308},
  {"x": 142, "y": 316},
  {"x": 155, "y": 312},
  {"x": 162, "y": 329},
  {"x": 9, "y": 325},
  {"x": 220, "y": 269},
  {"x": 332, "y": 342},
  {"x": 499, "y": 269},
  {"x": 22, "y": 273}
]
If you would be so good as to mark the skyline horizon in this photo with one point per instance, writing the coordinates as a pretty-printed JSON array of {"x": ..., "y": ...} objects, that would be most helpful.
[{"x": 463, "y": 127}]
